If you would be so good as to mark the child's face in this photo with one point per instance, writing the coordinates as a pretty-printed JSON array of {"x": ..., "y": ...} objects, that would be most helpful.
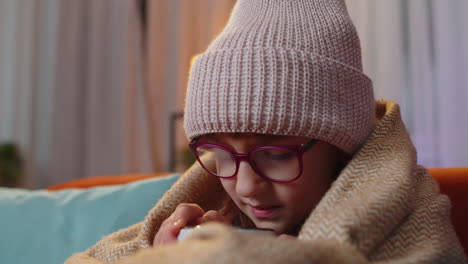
[{"x": 280, "y": 207}]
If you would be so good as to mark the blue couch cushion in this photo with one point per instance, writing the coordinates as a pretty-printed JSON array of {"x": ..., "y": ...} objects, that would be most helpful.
[{"x": 48, "y": 227}]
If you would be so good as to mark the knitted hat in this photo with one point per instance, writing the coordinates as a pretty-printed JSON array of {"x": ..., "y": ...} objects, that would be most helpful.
[{"x": 283, "y": 67}]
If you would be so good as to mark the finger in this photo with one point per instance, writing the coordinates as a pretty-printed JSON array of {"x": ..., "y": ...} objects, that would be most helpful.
[
  {"x": 163, "y": 237},
  {"x": 168, "y": 232},
  {"x": 186, "y": 214},
  {"x": 213, "y": 216},
  {"x": 170, "y": 228}
]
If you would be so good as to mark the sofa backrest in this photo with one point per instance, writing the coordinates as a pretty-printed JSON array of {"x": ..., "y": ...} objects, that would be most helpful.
[{"x": 454, "y": 183}]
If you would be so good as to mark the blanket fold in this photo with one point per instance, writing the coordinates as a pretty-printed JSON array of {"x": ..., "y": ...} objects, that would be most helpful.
[{"x": 382, "y": 208}]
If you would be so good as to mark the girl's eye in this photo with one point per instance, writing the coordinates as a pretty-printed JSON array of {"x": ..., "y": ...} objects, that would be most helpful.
[{"x": 277, "y": 155}]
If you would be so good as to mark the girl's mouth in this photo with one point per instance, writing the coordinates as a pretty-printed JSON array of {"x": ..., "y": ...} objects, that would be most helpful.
[{"x": 263, "y": 211}]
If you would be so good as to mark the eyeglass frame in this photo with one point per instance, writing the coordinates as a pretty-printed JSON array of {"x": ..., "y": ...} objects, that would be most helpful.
[{"x": 299, "y": 150}]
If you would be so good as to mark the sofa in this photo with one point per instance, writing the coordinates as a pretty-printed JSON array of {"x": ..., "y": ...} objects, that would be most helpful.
[{"x": 47, "y": 226}]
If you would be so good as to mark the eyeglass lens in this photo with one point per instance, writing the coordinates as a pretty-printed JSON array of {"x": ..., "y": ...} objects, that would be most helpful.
[
  {"x": 225, "y": 161},
  {"x": 274, "y": 163}
]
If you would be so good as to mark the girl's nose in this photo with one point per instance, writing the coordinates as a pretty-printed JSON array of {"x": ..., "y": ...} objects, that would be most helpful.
[{"x": 248, "y": 183}]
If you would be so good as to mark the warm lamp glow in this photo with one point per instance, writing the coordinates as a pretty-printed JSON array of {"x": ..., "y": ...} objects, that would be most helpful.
[{"x": 192, "y": 60}]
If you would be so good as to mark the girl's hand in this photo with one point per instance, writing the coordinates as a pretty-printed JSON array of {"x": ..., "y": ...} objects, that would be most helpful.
[{"x": 185, "y": 215}]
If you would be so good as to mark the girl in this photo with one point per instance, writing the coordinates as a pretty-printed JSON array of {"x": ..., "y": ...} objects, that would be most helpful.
[{"x": 289, "y": 139}]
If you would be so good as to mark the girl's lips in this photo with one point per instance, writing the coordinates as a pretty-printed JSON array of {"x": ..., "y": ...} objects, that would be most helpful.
[{"x": 263, "y": 211}]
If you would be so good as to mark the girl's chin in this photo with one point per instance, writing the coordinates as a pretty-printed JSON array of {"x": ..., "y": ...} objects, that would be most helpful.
[
  {"x": 268, "y": 225},
  {"x": 277, "y": 228}
]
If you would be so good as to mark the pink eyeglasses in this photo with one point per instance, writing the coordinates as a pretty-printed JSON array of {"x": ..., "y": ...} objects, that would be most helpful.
[{"x": 277, "y": 163}]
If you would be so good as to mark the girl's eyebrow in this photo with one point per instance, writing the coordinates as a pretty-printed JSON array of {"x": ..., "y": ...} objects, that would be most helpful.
[{"x": 211, "y": 137}]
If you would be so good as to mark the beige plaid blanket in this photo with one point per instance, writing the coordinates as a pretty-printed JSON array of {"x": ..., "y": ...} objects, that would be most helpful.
[{"x": 383, "y": 208}]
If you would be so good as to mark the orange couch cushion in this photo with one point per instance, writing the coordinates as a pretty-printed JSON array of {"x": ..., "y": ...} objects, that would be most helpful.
[
  {"x": 103, "y": 180},
  {"x": 454, "y": 183}
]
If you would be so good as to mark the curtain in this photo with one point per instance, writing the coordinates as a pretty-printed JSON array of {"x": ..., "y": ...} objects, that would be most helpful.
[
  {"x": 85, "y": 91},
  {"x": 416, "y": 53},
  {"x": 177, "y": 31},
  {"x": 71, "y": 88}
]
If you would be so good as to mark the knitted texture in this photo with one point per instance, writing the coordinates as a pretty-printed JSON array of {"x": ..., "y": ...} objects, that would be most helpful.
[
  {"x": 283, "y": 67},
  {"x": 383, "y": 206}
]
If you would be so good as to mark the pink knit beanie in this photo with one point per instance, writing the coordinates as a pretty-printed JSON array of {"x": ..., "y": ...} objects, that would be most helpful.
[{"x": 283, "y": 67}]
